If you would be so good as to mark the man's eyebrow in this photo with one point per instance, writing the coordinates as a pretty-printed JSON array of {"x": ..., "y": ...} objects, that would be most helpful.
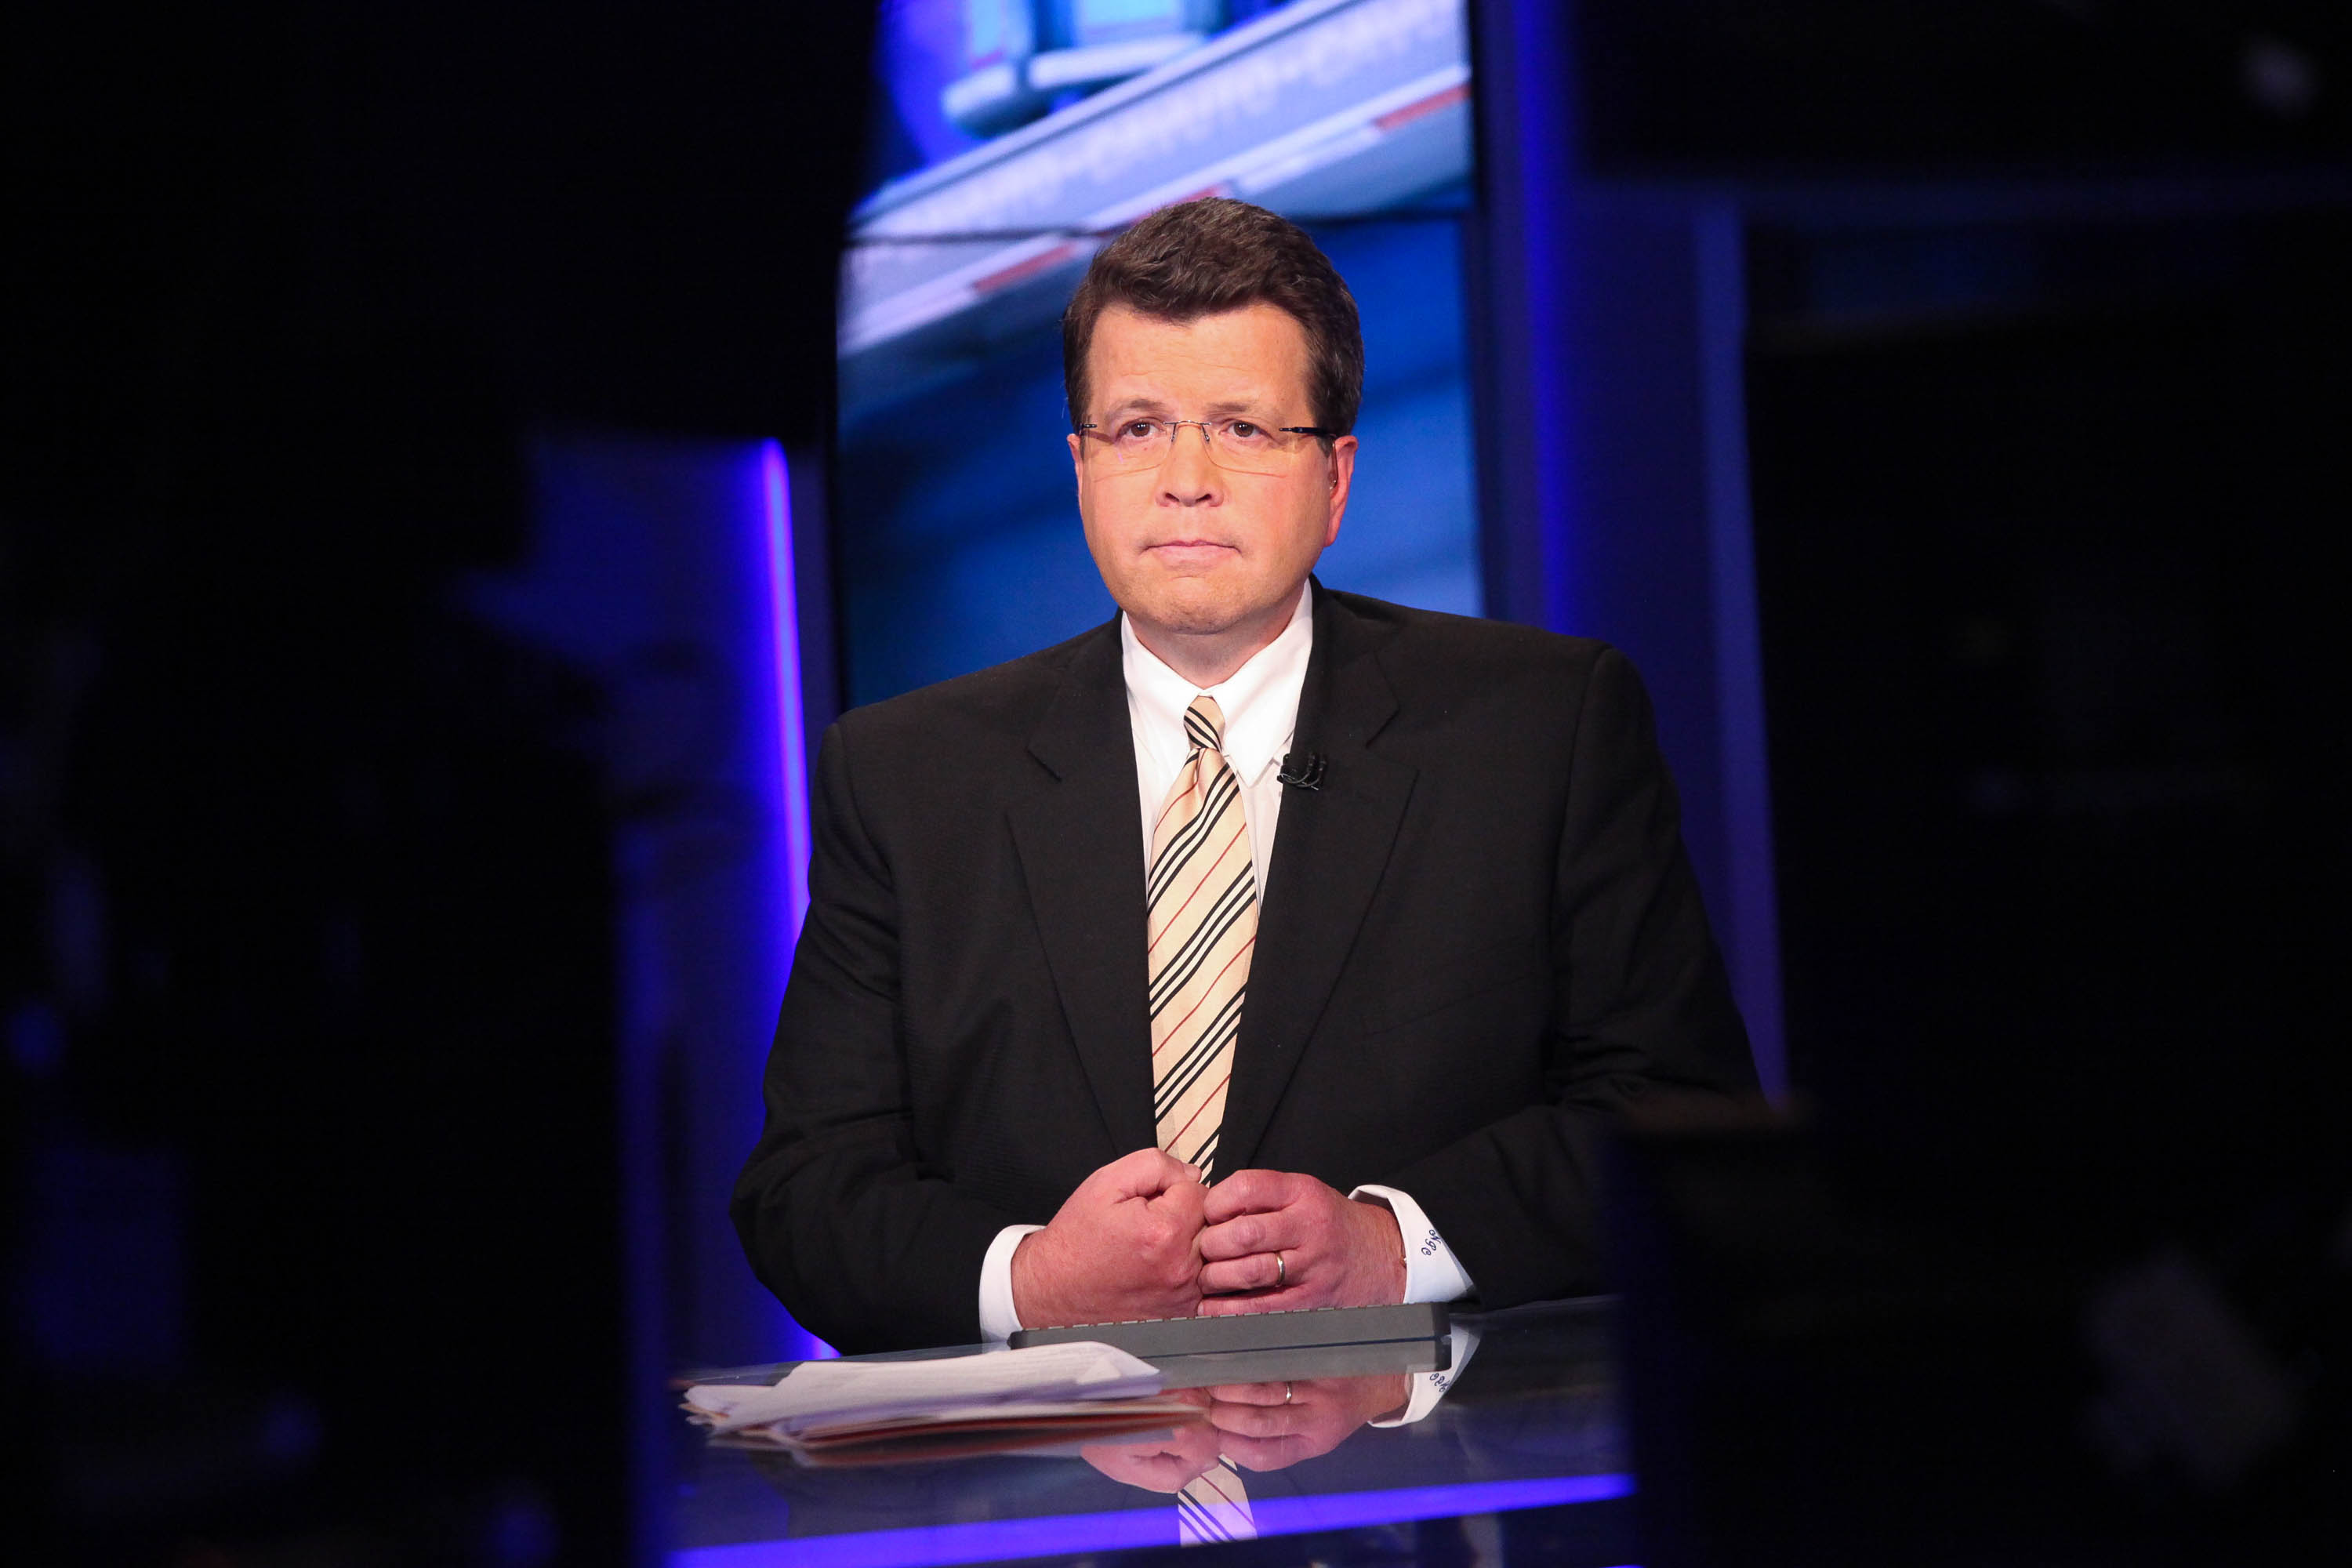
[
  {"x": 1143, "y": 403},
  {"x": 1251, "y": 404}
]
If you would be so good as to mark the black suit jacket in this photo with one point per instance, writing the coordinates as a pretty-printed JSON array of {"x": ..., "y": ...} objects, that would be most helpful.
[{"x": 1479, "y": 937}]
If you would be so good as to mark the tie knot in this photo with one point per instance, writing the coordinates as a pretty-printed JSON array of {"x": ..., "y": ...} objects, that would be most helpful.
[{"x": 1204, "y": 724}]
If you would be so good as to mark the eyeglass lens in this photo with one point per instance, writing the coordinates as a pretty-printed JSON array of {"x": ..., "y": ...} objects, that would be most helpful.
[{"x": 1241, "y": 445}]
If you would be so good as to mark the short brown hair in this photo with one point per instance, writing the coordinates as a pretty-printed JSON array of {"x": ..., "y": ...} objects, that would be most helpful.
[{"x": 1204, "y": 257}]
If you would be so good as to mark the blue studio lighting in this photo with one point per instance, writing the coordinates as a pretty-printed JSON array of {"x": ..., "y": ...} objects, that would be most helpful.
[
  {"x": 774, "y": 508},
  {"x": 1058, "y": 1535},
  {"x": 792, "y": 709}
]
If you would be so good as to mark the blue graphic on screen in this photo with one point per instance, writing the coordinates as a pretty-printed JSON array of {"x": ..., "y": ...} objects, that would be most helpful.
[
  {"x": 953, "y": 73},
  {"x": 1018, "y": 136}
]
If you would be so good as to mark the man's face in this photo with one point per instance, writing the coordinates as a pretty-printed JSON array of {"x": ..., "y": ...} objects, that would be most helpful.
[{"x": 1187, "y": 547}]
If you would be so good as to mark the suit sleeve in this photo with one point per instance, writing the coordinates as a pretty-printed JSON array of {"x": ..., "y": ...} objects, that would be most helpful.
[
  {"x": 866, "y": 1244},
  {"x": 1640, "y": 1004}
]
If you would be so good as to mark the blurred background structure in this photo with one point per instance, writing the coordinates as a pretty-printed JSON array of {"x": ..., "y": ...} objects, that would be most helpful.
[{"x": 456, "y": 460}]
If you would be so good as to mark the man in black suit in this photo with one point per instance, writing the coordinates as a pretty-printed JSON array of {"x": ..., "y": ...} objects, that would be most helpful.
[{"x": 1269, "y": 947}]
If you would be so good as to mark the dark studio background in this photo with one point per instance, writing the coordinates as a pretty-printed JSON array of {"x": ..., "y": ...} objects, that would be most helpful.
[
  {"x": 1945, "y": 405},
  {"x": 309, "y": 921}
]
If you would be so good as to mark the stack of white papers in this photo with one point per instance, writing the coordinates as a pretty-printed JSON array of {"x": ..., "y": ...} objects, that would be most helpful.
[{"x": 1048, "y": 1386}]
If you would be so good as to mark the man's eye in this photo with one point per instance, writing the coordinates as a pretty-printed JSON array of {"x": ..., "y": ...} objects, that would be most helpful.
[
  {"x": 1139, "y": 430},
  {"x": 1245, "y": 430}
]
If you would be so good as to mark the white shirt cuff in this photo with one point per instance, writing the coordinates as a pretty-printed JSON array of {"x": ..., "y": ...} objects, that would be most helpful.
[
  {"x": 1429, "y": 1387},
  {"x": 998, "y": 1321},
  {"x": 1431, "y": 1273}
]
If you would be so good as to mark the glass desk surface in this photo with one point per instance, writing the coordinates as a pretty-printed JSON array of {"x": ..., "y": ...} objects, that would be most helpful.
[{"x": 1521, "y": 1458}]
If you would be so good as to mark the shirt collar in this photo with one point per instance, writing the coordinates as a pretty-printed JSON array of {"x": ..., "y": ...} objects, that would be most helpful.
[{"x": 1259, "y": 701}]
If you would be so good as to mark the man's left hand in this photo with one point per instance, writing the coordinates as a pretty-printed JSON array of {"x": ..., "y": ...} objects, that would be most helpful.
[{"x": 1333, "y": 1251}]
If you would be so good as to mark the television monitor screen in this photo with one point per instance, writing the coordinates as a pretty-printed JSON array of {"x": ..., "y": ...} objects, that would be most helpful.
[{"x": 1014, "y": 138}]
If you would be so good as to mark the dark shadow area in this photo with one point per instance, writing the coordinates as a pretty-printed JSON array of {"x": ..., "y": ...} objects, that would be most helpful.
[
  {"x": 2052, "y": 661},
  {"x": 307, "y": 948},
  {"x": 2055, "y": 1266}
]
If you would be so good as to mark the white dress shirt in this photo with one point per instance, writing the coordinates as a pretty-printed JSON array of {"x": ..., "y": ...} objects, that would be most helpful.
[{"x": 1260, "y": 704}]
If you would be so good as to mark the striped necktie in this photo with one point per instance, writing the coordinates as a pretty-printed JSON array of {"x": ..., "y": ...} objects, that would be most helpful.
[
  {"x": 1202, "y": 898},
  {"x": 1213, "y": 1507}
]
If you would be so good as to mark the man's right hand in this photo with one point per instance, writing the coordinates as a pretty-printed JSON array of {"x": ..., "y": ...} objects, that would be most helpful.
[
  {"x": 1125, "y": 1245},
  {"x": 1273, "y": 1425}
]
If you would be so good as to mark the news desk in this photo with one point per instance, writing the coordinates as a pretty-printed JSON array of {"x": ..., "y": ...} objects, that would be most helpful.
[{"x": 1522, "y": 1459}]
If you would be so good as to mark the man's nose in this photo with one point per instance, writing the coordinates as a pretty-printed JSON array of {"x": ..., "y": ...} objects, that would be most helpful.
[{"x": 1189, "y": 475}]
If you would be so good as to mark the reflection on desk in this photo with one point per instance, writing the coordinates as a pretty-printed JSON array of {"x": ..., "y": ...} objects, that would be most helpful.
[{"x": 1524, "y": 1446}]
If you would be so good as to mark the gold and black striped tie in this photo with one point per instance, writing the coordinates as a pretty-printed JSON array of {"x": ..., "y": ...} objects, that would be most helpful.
[
  {"x": 1202, "y": 921},
  {"x": 1214, "y": 1506}
]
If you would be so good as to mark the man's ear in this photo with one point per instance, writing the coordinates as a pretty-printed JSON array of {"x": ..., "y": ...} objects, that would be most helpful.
[{"x": 1343, "y": 474}]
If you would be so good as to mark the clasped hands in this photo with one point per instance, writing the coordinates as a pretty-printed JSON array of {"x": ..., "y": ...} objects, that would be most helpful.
[
  {"x": 1257, "y": 1426},
  {"x": 1143, "y": 1237}
]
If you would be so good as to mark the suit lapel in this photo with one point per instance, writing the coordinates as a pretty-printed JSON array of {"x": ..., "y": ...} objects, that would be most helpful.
[
  {"x": 1081, "y": 848},
  {"x": 1330, "y": 850}
]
